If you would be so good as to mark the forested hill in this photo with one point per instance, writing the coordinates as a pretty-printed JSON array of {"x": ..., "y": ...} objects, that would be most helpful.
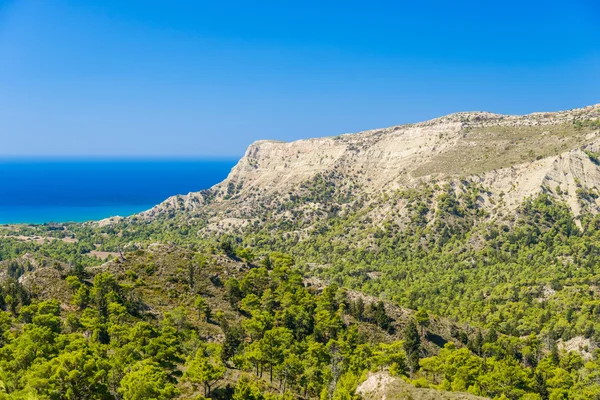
[{"x": 455, "y": 258}]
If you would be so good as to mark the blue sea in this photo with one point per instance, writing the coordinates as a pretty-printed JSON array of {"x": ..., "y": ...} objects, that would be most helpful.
[{"x": 68, "y": 190}]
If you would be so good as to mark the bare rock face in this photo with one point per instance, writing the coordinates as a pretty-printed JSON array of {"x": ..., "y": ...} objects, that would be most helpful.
[{"x": 513, "y": 157}]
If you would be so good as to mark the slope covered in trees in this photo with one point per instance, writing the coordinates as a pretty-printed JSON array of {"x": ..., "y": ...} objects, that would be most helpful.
[
  {"x": 172, "y": 323},
  {"x": 223, "y": 319}
]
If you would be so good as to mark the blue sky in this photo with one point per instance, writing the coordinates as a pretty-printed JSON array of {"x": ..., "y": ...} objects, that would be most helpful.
[{"x": 199, "y": 78}]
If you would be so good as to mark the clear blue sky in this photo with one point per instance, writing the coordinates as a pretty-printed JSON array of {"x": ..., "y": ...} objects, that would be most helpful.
[{"x": 181, "y": 78}]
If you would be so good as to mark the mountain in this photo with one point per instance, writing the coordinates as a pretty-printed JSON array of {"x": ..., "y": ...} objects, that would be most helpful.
[{"x": 510, "y": 157}]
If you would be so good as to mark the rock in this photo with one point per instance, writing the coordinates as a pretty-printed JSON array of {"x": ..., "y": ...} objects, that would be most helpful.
[{"x": 382, "y": 386}]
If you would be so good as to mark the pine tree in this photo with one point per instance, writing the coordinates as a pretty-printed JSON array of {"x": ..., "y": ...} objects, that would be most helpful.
[
  {"x": 381, "y": 318},
  {"x": 491, "y": 336},
  {"x": 412, "y": 345},
  {"x": 554, "y": 353},
  {"x": 477, "y": 343},
  {"x": 540, "y": 386},
  {"x": 234, "y": 335},
  {"x": 204, "y": 312},
  {"x": 205, "y": 368},
  {"x": 422, "y": 318},
  {"x": 358, "y": 309}
]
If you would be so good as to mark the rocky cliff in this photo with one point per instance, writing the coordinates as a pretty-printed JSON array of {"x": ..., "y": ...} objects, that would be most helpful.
[{"x": 509, "y": 157}]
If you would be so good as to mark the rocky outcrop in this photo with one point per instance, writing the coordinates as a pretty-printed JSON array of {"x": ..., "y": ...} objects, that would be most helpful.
[{"x": 382, "y": 386}]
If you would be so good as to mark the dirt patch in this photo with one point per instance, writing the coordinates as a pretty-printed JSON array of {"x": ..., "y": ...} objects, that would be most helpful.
[
  {"x": 103, "y": 254},
  {"x": 579, "y": 344},
  {"x": 40, "y": 239}
]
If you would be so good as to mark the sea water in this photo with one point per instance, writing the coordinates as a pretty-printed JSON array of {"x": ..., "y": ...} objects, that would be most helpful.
[{"x": 77, "y": 190}]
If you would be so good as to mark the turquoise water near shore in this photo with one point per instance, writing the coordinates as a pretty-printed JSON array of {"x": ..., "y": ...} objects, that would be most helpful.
[
  {"x": 69, "y": 190},
  {"x": 42, "y": 214}
]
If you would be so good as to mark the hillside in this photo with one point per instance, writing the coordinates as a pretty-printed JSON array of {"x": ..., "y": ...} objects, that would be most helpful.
[
  {"x": 456, "y": 258},
  {"x": 512, "y": 157},
  {"x": 172, "y": 313}
]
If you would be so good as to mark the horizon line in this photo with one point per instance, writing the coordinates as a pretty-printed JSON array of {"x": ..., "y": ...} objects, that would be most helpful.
[{"x": 106, "y": 157}]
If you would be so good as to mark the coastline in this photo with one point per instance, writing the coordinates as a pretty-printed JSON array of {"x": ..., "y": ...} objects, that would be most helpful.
[
  {"x": 26, "y": 215},
  {"x": 38, "y": 190}
]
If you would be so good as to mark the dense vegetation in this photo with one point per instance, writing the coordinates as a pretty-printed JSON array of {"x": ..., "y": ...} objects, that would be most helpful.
[
  {"x": 278, "y": 337},
  {"x": 508, "y": 306}
]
